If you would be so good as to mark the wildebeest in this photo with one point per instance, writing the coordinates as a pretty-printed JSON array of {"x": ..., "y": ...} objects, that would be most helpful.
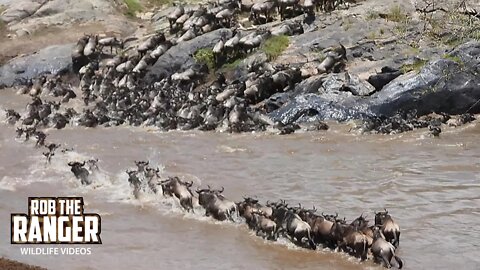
[
  {"x": 291, "y": 223},
  {"x": 12, "y": 116},
  {"x": 321, "y": 227},
  {"x": 262, "y": 224},
  {"x": 384, "y": 251},
  {"x": 180, "y": 190},
  {"x": 80, "y": 172},
  {"x": 215, "y": 204},
  {"x": 141, "y": 165},
  {"x": 350, "y": 240},
  {"x": 389, "y": 227},
  {"x": 249, "y": 205}
]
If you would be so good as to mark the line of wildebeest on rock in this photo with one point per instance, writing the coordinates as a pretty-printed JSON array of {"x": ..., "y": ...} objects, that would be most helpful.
[{"x": 114, "y": 90}]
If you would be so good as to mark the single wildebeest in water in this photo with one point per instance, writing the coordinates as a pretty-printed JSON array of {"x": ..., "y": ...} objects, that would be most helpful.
[
  {"x": 215, "y": 204},
  {"x": 263, "y": 224},
  {"x": 80, "y": 172},
  {"x": 291, "y": 223},
  {"x": 350, "y": 239},
  {"x": 389, "y": 227},
  {"x": 179, "y": 189},
  {"x": 383, "y": 251}
]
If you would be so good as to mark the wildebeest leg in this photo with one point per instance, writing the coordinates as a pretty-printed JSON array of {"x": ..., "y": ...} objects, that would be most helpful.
[
  {"x": 396, "y": 241},
  {"x": 385, "y": 259}
]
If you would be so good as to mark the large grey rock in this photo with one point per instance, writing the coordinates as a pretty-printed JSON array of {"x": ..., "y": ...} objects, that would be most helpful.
[
  {"x": 179, "y": 57},
  {"x": 54, "y": 59},
  {"x": 347, "y": 82},
  {"x": 313, "y": 107},
  {"x": 450, "y": 85},
  {"x": 309, "y": 101},
  {"x": 32, "y": 15},
  {"x": 20, "y": 10}
]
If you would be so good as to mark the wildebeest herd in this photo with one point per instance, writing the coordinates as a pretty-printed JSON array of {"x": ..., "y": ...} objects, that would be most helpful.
[
  {"x": 111, "y": 74},
  {"x": 114, "y": 91},
  {"x": 305, "y": 228}
]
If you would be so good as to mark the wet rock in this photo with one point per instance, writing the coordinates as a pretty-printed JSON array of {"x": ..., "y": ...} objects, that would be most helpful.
[
  {"x": 460, "y": 120},
  {"x": 32, "y": 15},
  {"x": 450, "y": 85},
  {"x": 348, "y": 82},
  {"x": 381, "y": 79},
  {"x": 179, "y": 57},
  {"x": 315, "y": 126},
  {"x": 20, "y": 10},
  {"x": 51, "y": 60},
  {"x": 311, "y": 107}
]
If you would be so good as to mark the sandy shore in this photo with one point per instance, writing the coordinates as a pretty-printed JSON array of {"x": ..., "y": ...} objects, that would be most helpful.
[{"x": 6, "y": 264}]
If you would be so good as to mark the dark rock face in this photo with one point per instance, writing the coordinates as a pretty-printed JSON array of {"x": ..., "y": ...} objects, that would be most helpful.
[
  {"x": 384, "y": 77},
  {"x": 179, "y": 57},
  {"x": 314, "y": 100},
  {"x": 450, "y": 85},
  {"x": 51, "y": 60}
]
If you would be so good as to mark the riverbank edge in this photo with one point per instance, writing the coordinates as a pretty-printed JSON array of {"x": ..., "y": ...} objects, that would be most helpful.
[{"x": 7, "y": 264}]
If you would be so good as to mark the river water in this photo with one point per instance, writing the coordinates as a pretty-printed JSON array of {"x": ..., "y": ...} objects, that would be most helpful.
[{"x": 430, "y": 186}]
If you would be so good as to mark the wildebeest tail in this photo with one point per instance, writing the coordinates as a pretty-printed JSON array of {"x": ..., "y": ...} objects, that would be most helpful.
[
  {"x": 399, "y": 261},
  {"x": 310, "y": 241},
  {"x": 365, "y": 248}
]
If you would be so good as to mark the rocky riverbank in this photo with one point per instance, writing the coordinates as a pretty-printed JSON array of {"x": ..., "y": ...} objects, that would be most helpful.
[
  {"x": 387, "y": 65},
  {"x": 7, "y": 264}
]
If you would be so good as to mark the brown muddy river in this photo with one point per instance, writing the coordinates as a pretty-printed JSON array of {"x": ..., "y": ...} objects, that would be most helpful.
[{"x": 430, "y": 186}]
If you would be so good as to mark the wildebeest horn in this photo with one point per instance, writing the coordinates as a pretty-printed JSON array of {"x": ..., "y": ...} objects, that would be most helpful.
[
  {"x": 148, "y": 162},
  {"x": 336, "y": 214},
  {"x": 190, "y": 184},
  {"x": 314, "y": 209},
  {"x": 70, "y": 163},
  {"x": 386, "y": 212},
  {"x": 83, "y": 164},
  {"x": 220, "y": 191}
]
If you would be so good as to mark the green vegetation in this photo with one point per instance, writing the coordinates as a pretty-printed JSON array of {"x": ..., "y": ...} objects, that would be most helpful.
[
  {"x": 274, "y": 46},
  {"x": 372, "y": 35},
  {"x": 415, "y": 66},
  {"x": 158, "y": 3},
  {"x": 205, "y": 56},
  {"x": 133, "y": 6},
  {"x": 397, "y": 14},
  {"x": 455, "y": 59},
  {"x": 233, "y": 65},
  {"x": 372, "y": 15}
]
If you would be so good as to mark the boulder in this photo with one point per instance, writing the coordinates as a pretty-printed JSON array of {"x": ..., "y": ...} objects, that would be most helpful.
[
  {"x": 450, "y": 85},
  {"x": 20, "y": 10},
  {"x": 347, "y": 82},
  {"x": 53, "y": 60}
]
